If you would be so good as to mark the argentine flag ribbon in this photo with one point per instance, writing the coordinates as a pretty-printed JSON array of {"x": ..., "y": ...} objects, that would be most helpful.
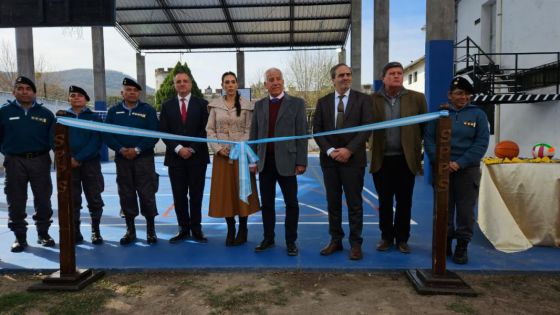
[
  {"x": 243, "y": 152},
  {"x": 240, "y": 149}
]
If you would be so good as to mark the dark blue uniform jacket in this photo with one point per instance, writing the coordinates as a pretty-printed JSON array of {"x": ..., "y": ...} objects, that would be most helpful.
[
  {"x": 142, "y": 116},
  {"x": 22, "y": 131}
]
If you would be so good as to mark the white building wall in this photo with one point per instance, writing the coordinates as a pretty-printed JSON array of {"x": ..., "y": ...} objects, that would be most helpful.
[
  {"x": 419, "y": 84},
  {"x": 519, "y": 26}
]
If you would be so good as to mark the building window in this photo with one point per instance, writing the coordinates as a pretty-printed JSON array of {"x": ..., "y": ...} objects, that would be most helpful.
[
  {"x": 415, "y": 76},
  {"x": 410, "y": 79}
]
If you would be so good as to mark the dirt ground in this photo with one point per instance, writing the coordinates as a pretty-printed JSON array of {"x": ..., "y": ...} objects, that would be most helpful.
[{"x": 280, "y": 293}]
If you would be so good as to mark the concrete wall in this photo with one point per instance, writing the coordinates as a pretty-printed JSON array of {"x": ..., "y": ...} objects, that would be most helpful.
[{"x": 526, "y": 26}]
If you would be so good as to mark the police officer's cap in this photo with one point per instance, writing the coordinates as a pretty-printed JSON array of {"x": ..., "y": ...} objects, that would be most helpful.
[
  {"x": 77, "y": 89},
  {"x": 25, "y": 80},
  {"x": 462, "y": 83},
  {"x": 130, "y": 82}
]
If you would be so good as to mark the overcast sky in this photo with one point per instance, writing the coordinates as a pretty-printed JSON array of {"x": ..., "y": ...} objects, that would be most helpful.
[{"x": 62, "y": 51}]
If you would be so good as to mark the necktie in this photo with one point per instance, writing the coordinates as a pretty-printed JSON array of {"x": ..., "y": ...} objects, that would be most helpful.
[
  {"x": 275, "y": 100},
  {"x": 183, "y": 111},
  {"x": 340, "y": 112}
]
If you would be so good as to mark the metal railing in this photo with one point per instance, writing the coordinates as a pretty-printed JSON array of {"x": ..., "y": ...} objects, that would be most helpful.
[{"x": 516, "y": 73}]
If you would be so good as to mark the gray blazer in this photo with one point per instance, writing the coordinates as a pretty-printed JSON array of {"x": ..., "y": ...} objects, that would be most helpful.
[{"x": 291, "y": 121}]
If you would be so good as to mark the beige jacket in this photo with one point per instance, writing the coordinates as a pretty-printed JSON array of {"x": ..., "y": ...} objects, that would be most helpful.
[{"x": 224, "y": 124}]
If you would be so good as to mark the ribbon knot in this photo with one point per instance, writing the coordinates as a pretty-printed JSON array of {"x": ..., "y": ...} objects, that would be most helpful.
[{"x": 242, "y": 151}]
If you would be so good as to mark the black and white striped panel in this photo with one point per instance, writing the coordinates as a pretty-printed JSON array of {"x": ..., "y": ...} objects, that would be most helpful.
[{"x": 515, "y": 98}]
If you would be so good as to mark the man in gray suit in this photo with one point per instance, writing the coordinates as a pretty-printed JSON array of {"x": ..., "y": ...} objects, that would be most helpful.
[
  {"x": 343, "y": 157},
  {"x": 279, "y": 115}
]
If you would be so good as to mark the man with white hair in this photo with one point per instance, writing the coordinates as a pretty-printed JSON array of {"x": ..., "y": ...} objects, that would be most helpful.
[{"x": 279, "y": 115}]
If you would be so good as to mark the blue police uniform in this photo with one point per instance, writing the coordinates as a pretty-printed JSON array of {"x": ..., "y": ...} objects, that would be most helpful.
[
  {"x": 469, "y": 141},
  {"x": 26, "y": 137},
  {"x": 84, "y": 147},
  {"x": 136, "y": 176}
]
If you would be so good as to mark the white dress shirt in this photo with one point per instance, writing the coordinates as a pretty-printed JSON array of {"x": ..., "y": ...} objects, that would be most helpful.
[{"x": 336, "y": 100}]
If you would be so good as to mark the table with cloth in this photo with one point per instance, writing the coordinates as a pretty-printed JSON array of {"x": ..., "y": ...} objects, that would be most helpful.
[{"x": 519, "y": 205}]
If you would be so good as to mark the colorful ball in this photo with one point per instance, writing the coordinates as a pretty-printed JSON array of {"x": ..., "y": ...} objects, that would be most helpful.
[
  {"x": 506, "y": 149},
  {"x": 541, "y": 150}
]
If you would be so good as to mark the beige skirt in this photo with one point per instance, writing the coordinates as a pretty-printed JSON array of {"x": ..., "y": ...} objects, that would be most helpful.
[{"x": 224, "y": 191}]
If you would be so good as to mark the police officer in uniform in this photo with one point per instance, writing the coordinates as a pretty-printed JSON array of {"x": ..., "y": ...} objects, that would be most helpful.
[
  {"x": 26, "y": 137},
  {"x": 86, "y": 163},
  {"x": 134, "y": 158}
]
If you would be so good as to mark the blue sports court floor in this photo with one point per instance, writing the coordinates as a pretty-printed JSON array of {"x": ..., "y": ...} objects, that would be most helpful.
[{"x": 313, "y": 235}]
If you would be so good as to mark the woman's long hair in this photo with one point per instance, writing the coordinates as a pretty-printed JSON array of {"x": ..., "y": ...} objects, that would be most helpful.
[{"x": 237, "y": 95}]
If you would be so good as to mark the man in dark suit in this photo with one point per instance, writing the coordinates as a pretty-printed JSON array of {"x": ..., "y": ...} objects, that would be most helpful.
[
  {"x": 186, "y": 115},
  {"x": 279, "y": 115},
  {"x": 343, "y": 157}
]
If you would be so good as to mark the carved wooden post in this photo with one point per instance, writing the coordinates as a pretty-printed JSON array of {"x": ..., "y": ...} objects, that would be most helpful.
[
  {"x": 441, "y": 196},
  {"x": 438, "y": 280},
  {"x": 68, "y": 278},
  {"x": 65, "y": 213}
]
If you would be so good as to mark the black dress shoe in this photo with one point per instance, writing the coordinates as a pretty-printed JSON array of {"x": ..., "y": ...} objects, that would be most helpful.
[
  {"x": 292, "y": 249},
  {"x": 19, "y": 245},
  {"x": 45, "y": 240},
  {"x": 265, "y": 244},
  {"x": 199, "y": 237},
  {"x": 182, "y": 235}
]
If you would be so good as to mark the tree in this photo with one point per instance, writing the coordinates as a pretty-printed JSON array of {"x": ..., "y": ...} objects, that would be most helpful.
[
  {"x": 48, "y": 84},
  {"x": 308, "y": 75},
  {"x": 167, "y": 90},
  {"x": 8, "y": 66}
]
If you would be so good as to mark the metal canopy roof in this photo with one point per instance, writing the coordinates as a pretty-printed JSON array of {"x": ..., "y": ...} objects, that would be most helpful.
[{"x": 208, "y": 24}]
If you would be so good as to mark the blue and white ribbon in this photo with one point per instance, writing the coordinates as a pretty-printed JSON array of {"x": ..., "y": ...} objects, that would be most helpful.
[{"x": 241, "y": 150}]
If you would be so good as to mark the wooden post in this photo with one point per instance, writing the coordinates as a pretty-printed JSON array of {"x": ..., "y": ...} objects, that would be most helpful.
[
  {"x": 441, "y": 196},
  {"x": 66, "y": 221},
  {"x": 68, "y": 278},
  {"x": 438, "y": 280}
]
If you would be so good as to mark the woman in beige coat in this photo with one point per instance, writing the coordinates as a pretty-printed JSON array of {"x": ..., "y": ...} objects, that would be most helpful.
[{"x": 230, "y": 119}]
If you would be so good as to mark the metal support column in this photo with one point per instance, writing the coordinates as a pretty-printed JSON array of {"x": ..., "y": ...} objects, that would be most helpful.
[
  {"x": 241, "y": 69},
  {"x": 356, "y": 41},
  {"x": 141, "y": 74},
  {"x": 380, "y": 40},
  {"x": 99, "y": 87},
  {"x": 24, "y": 50}
]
